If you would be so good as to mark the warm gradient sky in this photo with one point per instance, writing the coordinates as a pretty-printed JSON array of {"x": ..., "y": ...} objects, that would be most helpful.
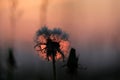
[
  {"x": 93, "y": 26},
  {"x": 85, "y": 17}
]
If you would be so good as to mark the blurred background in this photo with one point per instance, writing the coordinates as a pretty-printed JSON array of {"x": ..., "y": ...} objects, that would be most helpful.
[{"x": 93, "y": 27}]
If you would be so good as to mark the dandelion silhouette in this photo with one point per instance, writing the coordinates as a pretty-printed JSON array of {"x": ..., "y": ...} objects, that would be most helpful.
[
  {"x": 59, "y": 41},
  {"x": 52, "y": 45}
]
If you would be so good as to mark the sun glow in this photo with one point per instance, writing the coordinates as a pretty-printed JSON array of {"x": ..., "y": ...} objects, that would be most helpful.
[
  {"x": 64, "y": 47},
  {"x": 51, "y": 42}
]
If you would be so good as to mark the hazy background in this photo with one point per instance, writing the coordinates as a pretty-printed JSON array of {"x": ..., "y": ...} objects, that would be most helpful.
[{"x": 93, "y": 27}]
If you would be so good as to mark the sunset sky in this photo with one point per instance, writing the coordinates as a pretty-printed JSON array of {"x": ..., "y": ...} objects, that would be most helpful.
[
  {"x": 93, "y": 27},
  {"x": 85, "y": 17}
]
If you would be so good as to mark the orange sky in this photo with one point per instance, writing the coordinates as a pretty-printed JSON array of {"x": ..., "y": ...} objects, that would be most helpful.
[{"x": 86, "y": 19}]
